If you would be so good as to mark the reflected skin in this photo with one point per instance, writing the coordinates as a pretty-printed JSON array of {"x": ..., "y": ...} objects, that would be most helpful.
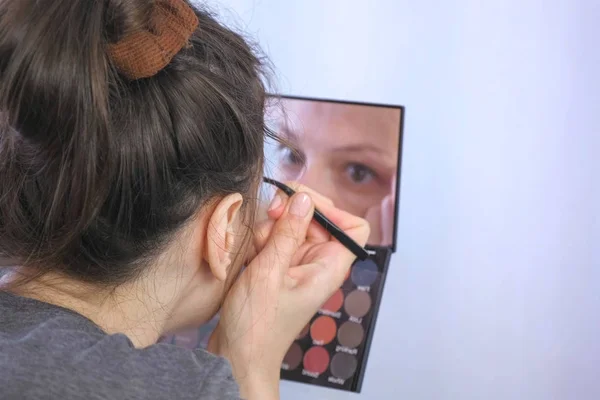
[{"x": 348, "y": 153}]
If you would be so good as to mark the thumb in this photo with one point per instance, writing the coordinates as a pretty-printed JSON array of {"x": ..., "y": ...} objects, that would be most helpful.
[{"x": 288, "y": 234}]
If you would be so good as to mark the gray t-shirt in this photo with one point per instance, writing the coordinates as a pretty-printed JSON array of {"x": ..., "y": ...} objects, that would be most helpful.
[{"x": 48, "y": 352}]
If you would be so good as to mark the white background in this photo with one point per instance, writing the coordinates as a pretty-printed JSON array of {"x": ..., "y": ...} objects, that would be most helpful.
[{"x": 495, "y": 290}]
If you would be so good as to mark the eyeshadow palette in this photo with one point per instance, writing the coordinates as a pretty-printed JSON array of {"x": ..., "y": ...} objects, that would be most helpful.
[
  {"x": 332, "y": 349},
  {"x": 351, "y": 153}
]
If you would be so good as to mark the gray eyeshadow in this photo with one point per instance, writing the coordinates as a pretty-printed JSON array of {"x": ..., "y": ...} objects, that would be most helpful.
[
  {"x": 351, "y": 334},
  {"x": 343, "y": 365}
]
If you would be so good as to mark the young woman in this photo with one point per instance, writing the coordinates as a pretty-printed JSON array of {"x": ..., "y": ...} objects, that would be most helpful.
[{"x": 131, "y": 151}]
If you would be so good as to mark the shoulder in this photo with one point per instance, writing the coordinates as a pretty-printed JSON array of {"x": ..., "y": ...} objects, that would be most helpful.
[
  {"x": 60, "y": 358},
  {"x": 171, "y": 371},
  {"x": 159, "y": 371}
]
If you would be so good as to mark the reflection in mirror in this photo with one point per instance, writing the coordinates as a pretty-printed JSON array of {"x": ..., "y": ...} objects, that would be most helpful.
[{"x": 347, "y": 152}]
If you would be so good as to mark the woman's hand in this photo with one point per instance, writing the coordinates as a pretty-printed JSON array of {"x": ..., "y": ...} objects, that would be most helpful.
[{"x": 296, "y": 267}]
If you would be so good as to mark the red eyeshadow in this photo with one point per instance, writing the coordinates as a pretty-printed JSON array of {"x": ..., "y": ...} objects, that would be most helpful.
[
  {"x": 335, "y": 302},
  {"x": 316, "y": 360}
]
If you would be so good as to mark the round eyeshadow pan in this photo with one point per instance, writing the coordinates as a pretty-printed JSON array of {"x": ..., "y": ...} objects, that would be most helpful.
[
  {"x": 323, "y": 330},
  {"x": 316, "y": 360},
  {"x": 358, "y": 303},
  {"x": 351, "y": 334},
  {"x": 293, "y": 357},
  {"x": 343, "y": 365},
  {"x": 303, "y": 333},
  {"x": 364, "y": 273},
  {"x": 335, "y": 302}
]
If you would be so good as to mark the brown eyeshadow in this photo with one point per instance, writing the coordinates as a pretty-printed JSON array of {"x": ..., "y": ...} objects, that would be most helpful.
[
  {"x": 293, "y": 357},
  {"x": 358, "y": 303},
  {"x": 335, "y": 302}
]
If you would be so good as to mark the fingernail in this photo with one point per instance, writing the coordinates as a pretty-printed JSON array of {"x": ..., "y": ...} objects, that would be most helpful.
[
  {"x": 275, "y": 203},
  {"x": 300, "y": 205}
]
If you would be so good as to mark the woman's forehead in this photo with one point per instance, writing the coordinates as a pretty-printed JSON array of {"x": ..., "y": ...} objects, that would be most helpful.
[{"x": 331, "y": 123}]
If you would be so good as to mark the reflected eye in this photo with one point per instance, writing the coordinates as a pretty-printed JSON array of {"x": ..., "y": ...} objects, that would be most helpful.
[
  {"x": 290, "y": 157},
  {"x": 359, "y": 173}
]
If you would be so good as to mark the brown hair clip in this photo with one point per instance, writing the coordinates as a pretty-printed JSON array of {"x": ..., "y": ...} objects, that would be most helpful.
[{"x": 144, "y": 53}]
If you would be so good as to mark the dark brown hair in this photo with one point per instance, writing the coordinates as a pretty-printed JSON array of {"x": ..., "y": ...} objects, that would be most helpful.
[{"x": 98, "y": 173}]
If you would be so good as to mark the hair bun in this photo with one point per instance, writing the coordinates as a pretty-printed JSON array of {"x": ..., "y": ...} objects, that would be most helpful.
[
  {"x": 126, "y": 16},
  {"x": 145, "y": 52}
]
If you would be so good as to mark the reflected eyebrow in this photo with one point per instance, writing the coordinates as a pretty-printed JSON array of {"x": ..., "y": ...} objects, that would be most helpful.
[
  {"x": 292, "y": 137},
  {"x": 371, "y": 151},
  {"x": 358, "y": 148},
  {"x": 287, "y": 133}
]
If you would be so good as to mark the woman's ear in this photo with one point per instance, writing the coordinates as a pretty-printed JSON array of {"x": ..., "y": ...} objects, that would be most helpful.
[{"x": 220, "y": 235}]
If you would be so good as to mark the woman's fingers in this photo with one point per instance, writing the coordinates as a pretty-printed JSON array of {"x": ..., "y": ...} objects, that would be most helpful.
[
  {"x": 260, "y": 236},
  {"x": 287, "y": 235},
  {"x": 275, "y": 209},
  {"x": 324, "y": 274},
  {"x": 315, "y": 231},
  {"x": 354, "y": 226},
  {"x": 316, "y": 196}
]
